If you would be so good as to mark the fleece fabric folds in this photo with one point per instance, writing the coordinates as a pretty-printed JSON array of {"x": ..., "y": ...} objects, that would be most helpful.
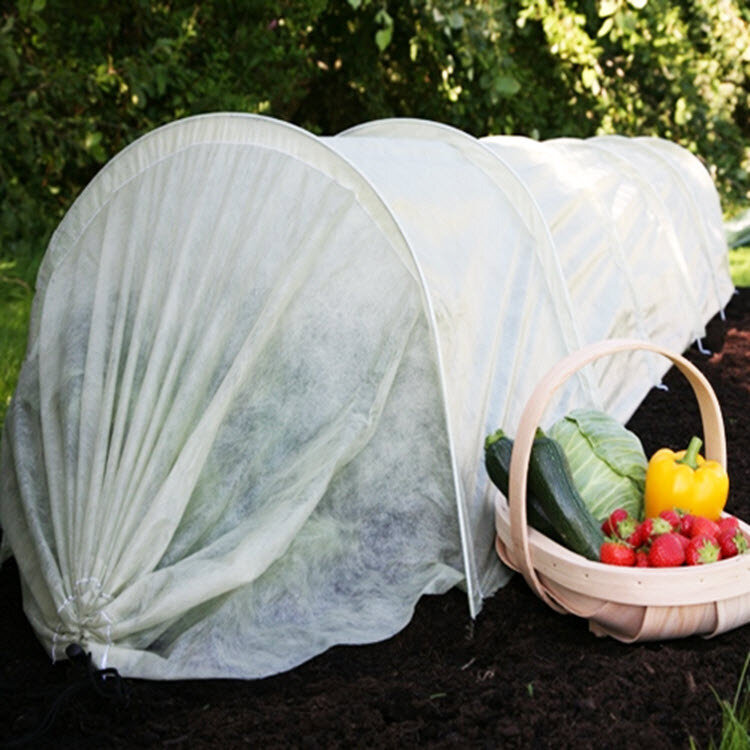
[{"x": 261, "y": 366}]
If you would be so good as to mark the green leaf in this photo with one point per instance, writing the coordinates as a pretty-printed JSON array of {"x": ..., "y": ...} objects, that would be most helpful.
[
  {"x": 506, "y": 85},
  {"x": 384, "y": 18},
  {"x": 608, "y": 7},
  {"x": 606, "y": 460},
  {"x": 606, "y": 27},
  {"x": 625, "y": 21},
  {"x": 456, "y": 20},
  {"x": 91, "y": 140},
  {"x": 7, "y": 51},
  {"x": 383, "y": 37},
  {"x": 355, "y": 4},
  {"x": 161, "y": 77},
  {"x": 590, "y": 79},
  {"x": 413, "y": 49},
  {"x": 681, "y": 113}
]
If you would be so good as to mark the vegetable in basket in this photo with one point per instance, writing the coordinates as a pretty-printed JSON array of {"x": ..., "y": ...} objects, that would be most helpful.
[
  {"x": 553, "y": 505},
  {"x": 670, "y": 540},
  {"x": 606, "y": 459},
  {"x": 685, "y": 480}
]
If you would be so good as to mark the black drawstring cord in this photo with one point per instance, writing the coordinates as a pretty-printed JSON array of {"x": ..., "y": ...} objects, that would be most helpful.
[{"x": 105, "y": 682}]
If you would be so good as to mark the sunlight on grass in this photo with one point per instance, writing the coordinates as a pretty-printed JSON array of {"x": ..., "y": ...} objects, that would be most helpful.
[
  {"x": 739, "y": 265},
  {"x": 15, "y": 305}
]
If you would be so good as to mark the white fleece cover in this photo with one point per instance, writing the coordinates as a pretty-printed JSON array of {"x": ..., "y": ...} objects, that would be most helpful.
[{"x": 262, "y": 364}]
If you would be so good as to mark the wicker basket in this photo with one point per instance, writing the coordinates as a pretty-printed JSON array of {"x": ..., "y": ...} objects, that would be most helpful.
[{"x": 629, "y": 604}]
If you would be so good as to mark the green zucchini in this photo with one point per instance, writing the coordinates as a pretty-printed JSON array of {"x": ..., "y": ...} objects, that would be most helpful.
[{"x": 553, "y": 504}]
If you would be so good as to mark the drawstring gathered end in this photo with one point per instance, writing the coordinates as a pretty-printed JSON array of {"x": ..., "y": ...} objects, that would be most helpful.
[{"x": 104, "y": 682}]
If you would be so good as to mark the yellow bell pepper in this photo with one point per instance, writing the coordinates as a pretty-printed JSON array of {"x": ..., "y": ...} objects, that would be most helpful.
[{"x": 686, "y": 481}]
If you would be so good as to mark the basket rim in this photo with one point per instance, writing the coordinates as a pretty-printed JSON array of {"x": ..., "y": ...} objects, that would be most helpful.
[{"x": 682, "y": 585}]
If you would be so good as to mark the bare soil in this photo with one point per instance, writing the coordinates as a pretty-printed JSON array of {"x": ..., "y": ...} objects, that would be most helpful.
[{"x": 520, "y": 676}]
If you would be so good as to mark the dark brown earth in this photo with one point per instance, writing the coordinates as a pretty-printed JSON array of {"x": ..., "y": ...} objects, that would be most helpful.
[{"x": 520, "y": 676}]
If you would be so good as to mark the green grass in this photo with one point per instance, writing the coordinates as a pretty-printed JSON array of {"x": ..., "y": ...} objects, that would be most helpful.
[
  {"x": 16, "y": 294},
  {"x": 739, "y": 265},
  {"x": 735, "y": 717}
]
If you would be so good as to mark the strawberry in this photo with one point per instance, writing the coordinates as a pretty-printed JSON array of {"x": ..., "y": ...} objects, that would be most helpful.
[
  {"x": 637, "y": 538},
  {"x": 684, "y": 540},
  {"x": 652, "y": 527},
  {"x": 616, "y": 552},
  {"x": 673, "y": 518},
  {"x": 619, "y": 524},
  {"x": 639, "y": 534},
  {"x": 626, "y": 529},
  {"x": 687, "y": 523},
  {"x": 608, "y": 527},
  {"x": 666, "y": 551},
  {"x": 732, "y": 542},
  {"x": 728, "y": 522},
  {"x": 641, "y": 558},
  {"x": 702, "y": 549},
  {"x": 703, "y": 526}
]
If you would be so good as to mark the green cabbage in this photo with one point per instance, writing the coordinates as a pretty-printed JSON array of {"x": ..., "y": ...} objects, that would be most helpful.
[{"x": 606, "y": 459}]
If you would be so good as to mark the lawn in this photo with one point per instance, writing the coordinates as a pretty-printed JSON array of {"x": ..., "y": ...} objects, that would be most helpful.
[
  {"x": 739, "y": 265},
  {"x": 16, "y": 293}
]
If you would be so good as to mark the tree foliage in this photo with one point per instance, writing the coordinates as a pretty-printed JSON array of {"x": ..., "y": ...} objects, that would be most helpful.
[{"x": 78, "y": 81}]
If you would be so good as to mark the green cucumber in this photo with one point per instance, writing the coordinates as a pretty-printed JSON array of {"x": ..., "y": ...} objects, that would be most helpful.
[{"x": 553, "y": 504}]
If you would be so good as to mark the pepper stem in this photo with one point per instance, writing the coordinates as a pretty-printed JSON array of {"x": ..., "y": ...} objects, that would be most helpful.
[{"x": 691, "y": 454}]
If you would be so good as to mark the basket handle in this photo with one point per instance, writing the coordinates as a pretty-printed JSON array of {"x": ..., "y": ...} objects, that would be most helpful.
[{"x": 708, "y": 404}]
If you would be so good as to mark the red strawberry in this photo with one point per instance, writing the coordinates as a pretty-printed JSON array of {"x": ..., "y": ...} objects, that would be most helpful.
[
  {"x": 684, "y": 540},
  {"x": 728, "y": 523},
  {"x": 666, "y": 551},
  {"x": 626, "y": 529},
  {"x": 732, "y": 542},
  {"x": 674, "y": 519},
  {"x": 616, "y": 552},
  {"x": 651, "y": 528},
  {"x": 687, "y": 523},
  {"x": 702, "y": 549},
  {"x": 641, "y": 558},
  {"x": 610, "y": 523},
  {"x": 620, "y": 524},
  {"x": 608, "y": 527},
  {"x": 637, "y": 538},
  {"x": 703, "y": 526}
]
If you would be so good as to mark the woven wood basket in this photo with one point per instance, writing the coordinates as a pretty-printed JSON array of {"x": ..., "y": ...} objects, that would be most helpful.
[{"x": 629, "y": 604}]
